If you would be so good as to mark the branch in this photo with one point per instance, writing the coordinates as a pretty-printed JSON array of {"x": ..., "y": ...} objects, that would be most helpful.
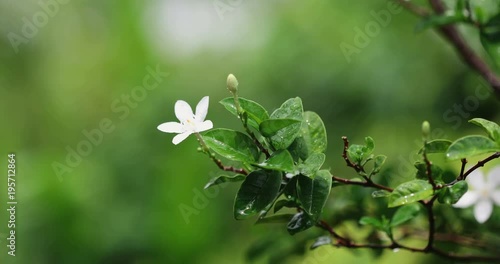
[
  {"x": 349, "y": 163},
  {"x": 451, "y": 33}
]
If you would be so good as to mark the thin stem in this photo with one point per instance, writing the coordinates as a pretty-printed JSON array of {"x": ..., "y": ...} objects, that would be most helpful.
[
  {"x": 481, "y": 163},
  {"x": 349, "y": 163},
  {"x": 415, "y": 9},
  {"x": 218, "y": 162},
  {"x": 462, "y": 169},
  {"x": 432, "y": 224},
  {"x": 366, "y": 183},
  {"x": 428, "y": 165}
]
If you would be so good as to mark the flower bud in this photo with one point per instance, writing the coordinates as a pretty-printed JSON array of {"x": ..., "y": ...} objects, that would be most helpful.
[
  {"x": 232, "y": 84},
  {"x": 426, "y": 129}
]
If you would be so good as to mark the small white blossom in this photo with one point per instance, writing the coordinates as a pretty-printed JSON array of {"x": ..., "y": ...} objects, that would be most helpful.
[
  {"x": 483, "y": 193},
  {"x": 189, "y": 123}
]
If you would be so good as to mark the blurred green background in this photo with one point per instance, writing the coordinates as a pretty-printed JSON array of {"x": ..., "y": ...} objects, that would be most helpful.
[{"x": 68, "y": 66}]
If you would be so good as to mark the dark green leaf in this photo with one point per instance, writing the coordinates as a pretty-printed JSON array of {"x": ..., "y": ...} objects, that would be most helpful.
[
  {"x": 223, "y": 179},
  {"x": 275, "y": 219},
  {"x": 280, "y": 160},
  {"x": 231, "y": 144},
  {"x": 490, "y": 38},
  {"x": 436, "y": 146},
  {"x": 313, "y": 193},
  {"x": 321, "y": 241},
  {"x": 291, "y": 109},
  {"x": 259, "y": 189},
  {"x": 300, "y": 222},
  {"x": 270, "y": 127},
  {"x": 469, "y": 146},
  {"x": 493, "y": 129},
  {"x": 405, "y": 213},
  {"x": 312, "y": 164},
  {"x": 255, "y": 112},
  {"x": 410, "y": 192},
  {"x": 451, "y": 194}
]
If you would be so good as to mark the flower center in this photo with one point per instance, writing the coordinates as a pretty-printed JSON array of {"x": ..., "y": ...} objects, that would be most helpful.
[
  {"x": 485, "y": 193},
  {"x": 190, "y": 124}
]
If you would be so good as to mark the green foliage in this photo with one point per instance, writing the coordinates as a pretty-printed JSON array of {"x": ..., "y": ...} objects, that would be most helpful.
[
  {"x": 421, "y": 174},
  {"x": 291, "y": 109},
  {"x": 410, "y": 192},
  {"x": 313, "y": 193},
  {"x": 436, "y": 146},
  {"x": 469, "y": 146},
  {"x": 271, "y": 127},
  {"x": 299, "y": 222},
  {"x": 451, "y": 194},
  {"x": 232, "y": 145},
  {"x": 255, "y": 112},
  {"x": 405, "y": 214},
  {"x": 358, "y": 153},
  {"x": 280, "y": 160},
  {"x": 223, "y": 179},
  {"x": 257, "y": 192}
]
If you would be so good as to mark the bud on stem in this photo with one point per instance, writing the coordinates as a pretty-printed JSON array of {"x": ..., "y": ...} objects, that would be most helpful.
[
  {"x": 232, "y": 86},
  {"x": 426, "y": 130}
]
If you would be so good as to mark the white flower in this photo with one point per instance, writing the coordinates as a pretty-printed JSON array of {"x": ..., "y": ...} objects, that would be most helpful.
[
  {"x": 189, "y": 123},
  {"x": 483, "y": 192}
]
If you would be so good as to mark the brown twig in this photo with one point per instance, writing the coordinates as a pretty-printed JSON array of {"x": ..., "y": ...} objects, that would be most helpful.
[
  {"x": 451, "y": 33},
  {"x": 349, "y": 163},
  {"x": 428, "y": 166}
]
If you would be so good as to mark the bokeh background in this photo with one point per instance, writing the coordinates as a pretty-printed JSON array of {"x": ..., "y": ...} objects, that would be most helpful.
[{"x": 82, "y": 63}]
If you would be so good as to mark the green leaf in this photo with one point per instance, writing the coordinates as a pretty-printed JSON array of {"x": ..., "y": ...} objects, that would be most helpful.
[
  {"x": 451, "y": 194},
  {"x": 231, "y": 144},
  {"x": 378, "y": 163},
  {"x": 270, "y": 127},
  {"x": 490, "y": 38},
  {"x": 492, "y": 128},
  {"x": 275, "y": 219},
  {"x": 280, "y": 160},
  {"x": 380, "y": 193},
  {"x": 300, "y": 222},
  {"x": 321, "y": 241},
  {"x": 259, "y": 189},
  {"x": 312, "y": 164},
  {"x": 404, "y": 214},
  {"x": 255, "y": 112},
  {"x": 367, "y": 220},
  {"x": 471, "y": 146},
  {"x": 357, "y": 153},
  {"x": 439, "y": 21},
  {"x": 284, "y": 203},
  {"x": 223, "y": 179},
  {"x": 410, "y": 192},
  {"x": 483, "y": 11},
  {"x": 436, "y": 146},
  {"x": 313, "y": 133},
  {"x": 313, "y": 193},
  {"x": 291, "y": 109}
]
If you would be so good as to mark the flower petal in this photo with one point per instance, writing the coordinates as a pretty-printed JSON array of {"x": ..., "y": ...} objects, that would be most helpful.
[
  {"x": 494, "y": 177},
  {"x": 476, "y": 180},
  {"x": 183, "y": 111},
  {"x": 468, "y": 199},
  {"x": 206, "y": 125},
  {"x": 202, "y": 109},
  {"x": 179, "y": 138},
  {"x": 495, "y": 196},
  {"x": 171, "y": 127},
  {"x": 482, "y": 210}
]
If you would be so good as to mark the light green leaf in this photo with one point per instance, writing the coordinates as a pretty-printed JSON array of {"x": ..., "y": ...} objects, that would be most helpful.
[
  {"x": 255, "y": 112},
  {"x": 270, "y": 127},
  {"x": 357, "y": 153},
  {"x": 312, "y": 164},
  {"x": 231, "y": 144},
  {"x": 438, "y": 21},
  {"x": 410, "y": 192},
  {"x": 291, "y": 109},
  {"x": 280, "y": 160},
  {"x": 223, "y": 179},
  {"x": 300, "y": 222},
  {"x": 451, "y": 194},
  {"x": 405, "y": 213},
  {"x": 471, "y": 146},
  {"x": 378, "y": 163},
  {"x": 313, "y": 193},
  {"x": 436, "y": 146},
  {"x": 259, "y": 189},
  {"x": 367, "y": 220},
  {"x": 492, "y": 128}
]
